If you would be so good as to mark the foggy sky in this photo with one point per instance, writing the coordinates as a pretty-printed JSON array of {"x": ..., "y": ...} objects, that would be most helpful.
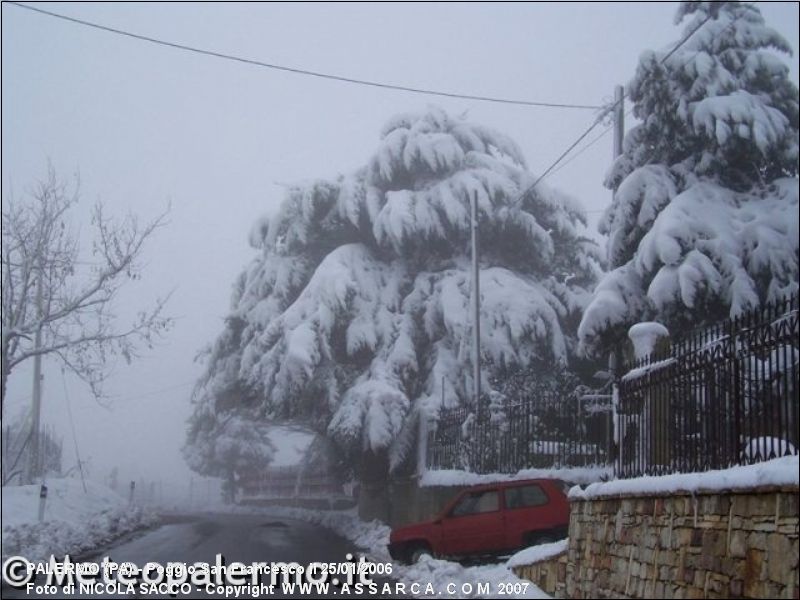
[{"x": 146, "y": 125}]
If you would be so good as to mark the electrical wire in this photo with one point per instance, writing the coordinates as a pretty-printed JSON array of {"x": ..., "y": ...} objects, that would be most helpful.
[
  {"x": 611, "y": 107},
  {"x": 299, "y": 71},
  {"x": 582, "y": 150},
  {"x": 587, "y": 146}
]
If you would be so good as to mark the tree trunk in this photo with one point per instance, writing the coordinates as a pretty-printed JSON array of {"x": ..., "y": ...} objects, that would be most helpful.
[{"x": 4, "y": 372}]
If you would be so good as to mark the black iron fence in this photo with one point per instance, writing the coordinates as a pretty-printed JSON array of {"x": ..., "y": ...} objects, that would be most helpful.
[
  {"x": 545, "y": 432},
  {"x": 722, "y": 396},
  {"x": 726, "y": 395}
]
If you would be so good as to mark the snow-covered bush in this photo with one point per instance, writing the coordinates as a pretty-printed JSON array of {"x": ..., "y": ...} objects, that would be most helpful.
[
  {"x": 357, "y": 305},
  {"x": 704, "y": 222},
  {"x": 233, "y": 446}
]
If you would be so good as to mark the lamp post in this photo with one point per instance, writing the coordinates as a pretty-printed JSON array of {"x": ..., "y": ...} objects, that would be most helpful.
[{"x": 476, "y": 303}]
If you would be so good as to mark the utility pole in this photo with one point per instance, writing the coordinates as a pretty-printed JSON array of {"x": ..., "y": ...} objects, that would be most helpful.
[
  {"x": 613, "y": 357},
  {"x": 619, "y": 126},
  {"x": 34, "y": 462},
  {"x": 619, "y": 119},
  {"x": 476, "y": 326}
]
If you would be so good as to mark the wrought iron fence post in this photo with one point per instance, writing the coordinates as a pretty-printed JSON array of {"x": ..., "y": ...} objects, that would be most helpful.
[
  {"x": 723, "y": 395},
  {"x": 614, "y": 437}
]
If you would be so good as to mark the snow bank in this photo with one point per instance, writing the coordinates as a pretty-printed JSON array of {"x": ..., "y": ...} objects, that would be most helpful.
[
  {"x": 74, "y": 520},
  {"x": 777, "y": 472},
  {"x": 535, "y": 554},
  {"x": 373, "y": 537},
  {"x": 453, "y": 477},
  {"x": 442, "y": 572},
  {"x": 370, "y": 535},
  {"x": 765, "y": 446}
]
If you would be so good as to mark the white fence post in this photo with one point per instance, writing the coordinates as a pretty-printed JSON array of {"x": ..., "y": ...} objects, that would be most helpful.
[{"x": 42, "y": 501}]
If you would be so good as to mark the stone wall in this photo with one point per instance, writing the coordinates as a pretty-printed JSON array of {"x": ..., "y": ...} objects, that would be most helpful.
[
  {"x": 550, "y": 575},
  {"x": 708, "y": 545}
]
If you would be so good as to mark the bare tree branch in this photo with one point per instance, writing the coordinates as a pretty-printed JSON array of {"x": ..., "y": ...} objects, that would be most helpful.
[{"x": 75, "y": 316}]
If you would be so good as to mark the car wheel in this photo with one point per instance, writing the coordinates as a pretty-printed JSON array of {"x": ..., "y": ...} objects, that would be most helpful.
[{"x": 418, "y": 552}]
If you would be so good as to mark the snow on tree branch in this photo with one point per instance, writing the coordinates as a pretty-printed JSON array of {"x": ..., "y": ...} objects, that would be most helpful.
[
  {"x": 356, "y": 307},
  {"x": 705, "y": 214}
]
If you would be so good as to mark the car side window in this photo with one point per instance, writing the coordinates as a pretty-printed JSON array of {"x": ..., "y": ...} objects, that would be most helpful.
[
  {"x": 525, "y": 496},
  {"x": 476, "y": 503}
]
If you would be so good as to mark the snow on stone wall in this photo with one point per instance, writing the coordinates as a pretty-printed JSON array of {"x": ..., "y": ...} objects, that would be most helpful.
[{"x": 724, "y": 534}]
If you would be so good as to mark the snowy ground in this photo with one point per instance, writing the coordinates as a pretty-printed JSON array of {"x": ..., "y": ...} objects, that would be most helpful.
[
  {"x": 74, "y": 521},
  {"x": 576, "y": 475},
  {"x": 374, "y": 536}
]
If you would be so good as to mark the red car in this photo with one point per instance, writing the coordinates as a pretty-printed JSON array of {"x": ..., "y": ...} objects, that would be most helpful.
[{"x": 488, "y": 519}]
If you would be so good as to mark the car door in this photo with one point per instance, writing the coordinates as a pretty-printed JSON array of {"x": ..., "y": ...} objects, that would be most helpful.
[
  {"x": 527, "y": 509},
  {"x": 475, "y": 524}
]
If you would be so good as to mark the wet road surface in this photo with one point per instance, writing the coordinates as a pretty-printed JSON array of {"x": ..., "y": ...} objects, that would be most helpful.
[{"x": 239, "y": 538}]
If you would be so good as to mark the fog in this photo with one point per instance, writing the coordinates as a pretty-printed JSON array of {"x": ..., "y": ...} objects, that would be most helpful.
[{"x": 148, "y": 126}]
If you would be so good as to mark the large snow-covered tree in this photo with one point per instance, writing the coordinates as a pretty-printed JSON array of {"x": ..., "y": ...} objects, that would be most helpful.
[
  {"x": 704, "y": 221},
  {"x": 356, "y": 310}
]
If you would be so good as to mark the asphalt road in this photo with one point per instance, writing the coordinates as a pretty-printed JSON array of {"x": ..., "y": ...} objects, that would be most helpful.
[{"x": 239, "y": 538}]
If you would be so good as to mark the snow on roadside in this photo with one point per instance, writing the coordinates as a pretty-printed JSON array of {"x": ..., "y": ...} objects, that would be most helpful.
[
  {"x": 784, "y": 471},
  {"x": 74, "y": 521},
  {"x": 373, "y": 537},
  {"x": 440, "y": 573},
  {"x": 577, "y": 475},
  {"x": 370, "y": 535}
]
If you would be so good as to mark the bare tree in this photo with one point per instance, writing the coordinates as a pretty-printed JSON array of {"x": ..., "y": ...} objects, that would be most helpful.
[{"x": 51, "y": 294}]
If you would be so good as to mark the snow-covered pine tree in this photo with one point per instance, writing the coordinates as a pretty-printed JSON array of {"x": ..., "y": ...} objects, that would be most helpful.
[
  {"x": 704, "y": 222},
  {"x": 357, "y": 306},
  {"x": 225, "y": 439}
]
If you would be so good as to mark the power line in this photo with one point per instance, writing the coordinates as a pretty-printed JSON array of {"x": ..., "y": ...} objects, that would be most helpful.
[
  {"x": 608, "y": 110},
  {"x": 299, "y": 71},
  {"x": 625, "y": 95},
  {"x": 586, "y": 147},
  {"x": 582, "y": 150}
]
